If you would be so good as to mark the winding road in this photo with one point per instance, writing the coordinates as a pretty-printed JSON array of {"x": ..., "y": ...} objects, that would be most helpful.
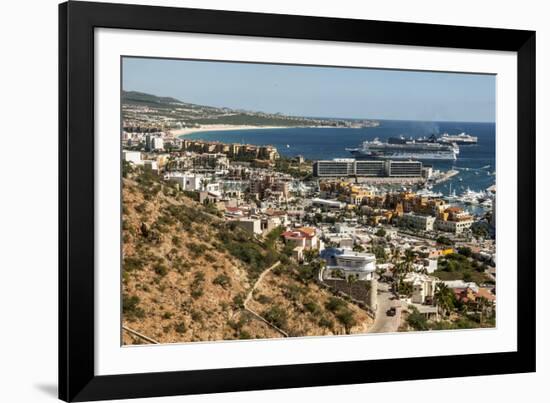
[{"x": 384, "y": 323}]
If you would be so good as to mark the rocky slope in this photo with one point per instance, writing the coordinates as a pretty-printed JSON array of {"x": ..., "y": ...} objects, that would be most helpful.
[{"x": 186, "y": 273}]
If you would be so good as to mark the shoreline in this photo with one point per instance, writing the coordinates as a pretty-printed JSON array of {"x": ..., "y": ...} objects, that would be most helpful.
[
  {"x": 218, "y": 128},
  {"x": 180, "y": 133}
]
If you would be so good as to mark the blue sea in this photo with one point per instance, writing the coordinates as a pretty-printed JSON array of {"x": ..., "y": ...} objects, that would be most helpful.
[{"x": 476, "y": 163}]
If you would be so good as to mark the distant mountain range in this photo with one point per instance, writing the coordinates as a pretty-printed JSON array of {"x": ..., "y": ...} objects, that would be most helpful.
[{"x": 142, "y": 109}]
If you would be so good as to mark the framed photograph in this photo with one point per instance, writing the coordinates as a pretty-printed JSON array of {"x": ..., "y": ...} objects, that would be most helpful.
[{"x": 257, "y": 201}]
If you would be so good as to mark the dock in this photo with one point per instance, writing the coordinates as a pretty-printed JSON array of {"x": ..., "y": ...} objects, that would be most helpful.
[{"x": 446, "y": 176}]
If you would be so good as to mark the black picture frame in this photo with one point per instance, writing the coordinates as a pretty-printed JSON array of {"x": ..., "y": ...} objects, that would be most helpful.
[{"x": 77, "y": 21}]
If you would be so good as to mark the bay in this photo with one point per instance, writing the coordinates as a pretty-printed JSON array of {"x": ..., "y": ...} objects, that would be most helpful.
[{"x": 475, "y": 163}]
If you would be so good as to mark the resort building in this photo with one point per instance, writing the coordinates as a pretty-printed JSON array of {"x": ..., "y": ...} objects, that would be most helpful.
[
  {"x": 455, "y": 227},
  {"x": 404, "y": 169},
  {"x": 417, "y": 221},
  {"x": 455, "y": 220},
  {"x": 345, "y": 167},
  {"x": 346, "y": 262}
]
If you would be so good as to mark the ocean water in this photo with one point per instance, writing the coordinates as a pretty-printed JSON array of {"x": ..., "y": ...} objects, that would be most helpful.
[{"x": 475, "y": 163}]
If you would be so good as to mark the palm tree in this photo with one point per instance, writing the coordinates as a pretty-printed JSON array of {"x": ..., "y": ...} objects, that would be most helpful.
[
  {"x": 444, "y": 298},
  {"x": 482, "y": 305},
  {"x": 204, "y": 183},
  {"x": 464, "y": 309},
  {"x": 338, "y": 273}
]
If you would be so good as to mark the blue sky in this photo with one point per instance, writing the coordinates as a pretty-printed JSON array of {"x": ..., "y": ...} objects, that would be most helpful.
[{"x": 317, "y": 91}]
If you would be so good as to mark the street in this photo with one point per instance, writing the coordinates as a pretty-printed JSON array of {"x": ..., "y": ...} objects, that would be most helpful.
[{"x": 384, "y": 323}]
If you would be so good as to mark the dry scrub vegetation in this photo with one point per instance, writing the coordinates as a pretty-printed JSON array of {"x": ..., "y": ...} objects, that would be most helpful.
[{"x": 186, "y": 273}]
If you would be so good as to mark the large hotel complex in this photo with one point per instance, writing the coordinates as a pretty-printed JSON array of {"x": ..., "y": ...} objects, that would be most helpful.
[{"x": 349, "y": 167}]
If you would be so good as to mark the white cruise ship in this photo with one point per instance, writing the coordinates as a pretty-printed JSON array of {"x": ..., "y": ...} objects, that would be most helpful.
[
  {"x": 460, "y": 139},
  {"x": 399, "y": 148}
]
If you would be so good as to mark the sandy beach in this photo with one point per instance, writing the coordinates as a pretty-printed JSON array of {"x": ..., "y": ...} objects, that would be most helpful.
[{"x": 206, "y": 128}]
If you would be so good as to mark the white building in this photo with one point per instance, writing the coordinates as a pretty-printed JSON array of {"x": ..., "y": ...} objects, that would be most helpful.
[
  {"x": 213, "y": 187},
  {"x": 153, "y": 142},
  {"x": 421, "y": 222},
  {"x": 305, "y": 237},
  {"x": 191, "y": 182},
  {"x": 251, "y": 225},
  {"x": 350, "y": 263},
  {"x": 342, "y": 241},
  {"x": 343, "y": 228},
  {"x": 461, "y": 284},
  {"x": 455, "y": 227},
  {"x": 132, "y": 156},
  {"x": 430, "y": 265},
  {"x": 328, "y": 203},
  {"x": 423, "y": 287},
  {"x": 150, "y": 165}
]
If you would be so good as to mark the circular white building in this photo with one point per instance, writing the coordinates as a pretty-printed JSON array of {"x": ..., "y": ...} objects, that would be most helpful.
[{"x": 347, "y": 263}]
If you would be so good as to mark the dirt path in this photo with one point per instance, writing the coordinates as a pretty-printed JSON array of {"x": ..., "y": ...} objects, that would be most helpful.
[
  {"x": 249, "y": 297},
  {"x": 140, "y": 335}
]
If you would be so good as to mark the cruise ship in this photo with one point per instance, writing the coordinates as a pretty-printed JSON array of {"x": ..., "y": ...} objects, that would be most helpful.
[
  {"x": 399, "y": 148},
  {"x": 462, "y": 139}
]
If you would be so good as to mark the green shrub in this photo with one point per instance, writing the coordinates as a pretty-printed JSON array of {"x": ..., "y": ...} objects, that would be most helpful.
[
  {"x": 209, "y": 258},
  {"x": 292, "y": 292},
  {"x": 307, "y": 273},
  {"x": 263, "y": 299},
  {"x": 180, "y": 328},
  {"x": 130, "y": 307},
  {"x": 277, "y": 316},
  {"x": 131, "y": 264},
  {"x": 325, "y": 322},
  {"x": 222, "y": 280},
  {"x": 347, "y": 318},
  {"x": 141, "y": 208},
  {"x": 199, "y": 277},
  {"x": 464, "y": 250},
  {"x": 196, "y": 316},
  {"x": 335, "y": 303},
  {"x": 238, "y": 300},
  {"x": 196, "y": 249},
  {"x": 312, "y": 307},
  {"x": 244, "y": 335},
  {"x": 416, "y": 320},
  {"x": 197, "y": 293},
  {"x": 161, "y": 270}
]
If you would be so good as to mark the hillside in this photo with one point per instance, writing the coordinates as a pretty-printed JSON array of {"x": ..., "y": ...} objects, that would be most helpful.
[
  {"x": 186, "y": 274},
  {"x": 135, "y": 97},
  {"x": 144, "y": 110}
]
